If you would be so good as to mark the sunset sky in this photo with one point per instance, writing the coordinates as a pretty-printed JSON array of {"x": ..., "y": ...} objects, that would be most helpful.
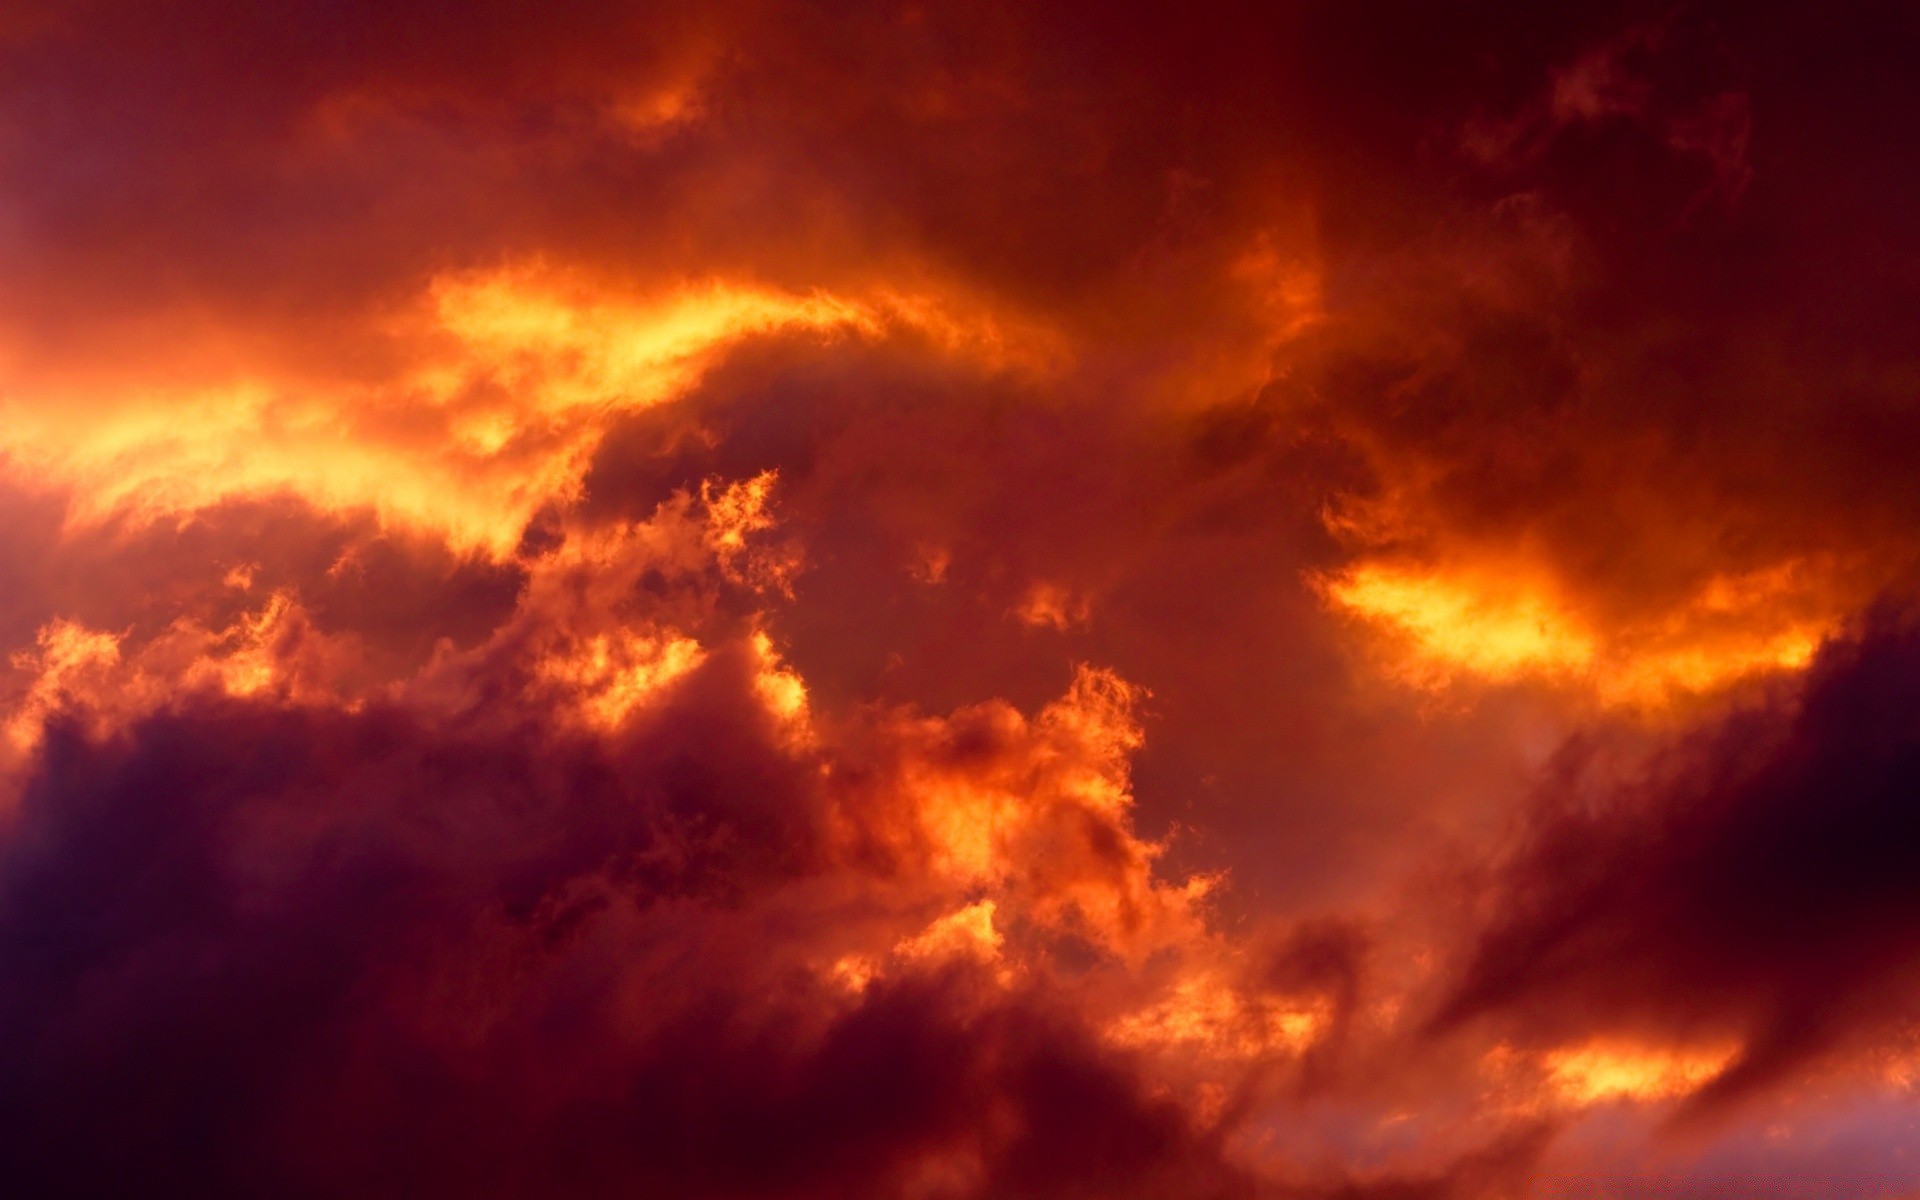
[{"x": 1308, "y": 600}]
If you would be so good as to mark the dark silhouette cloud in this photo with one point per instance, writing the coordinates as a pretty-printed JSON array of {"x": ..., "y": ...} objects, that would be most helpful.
[
  {"x": 251, "y": 949},
  {"x": 1758, "y": 879}
]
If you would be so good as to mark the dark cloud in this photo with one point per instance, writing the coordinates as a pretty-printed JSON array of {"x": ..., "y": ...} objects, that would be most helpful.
[
  {"x": 1758, "y": 880},
  {"x": 249, "y": 949}
]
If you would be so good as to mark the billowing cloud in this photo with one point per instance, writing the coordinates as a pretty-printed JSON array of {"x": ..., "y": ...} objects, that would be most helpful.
[
  {"x": 1751, "y": 888},
  {"x": 946, "y": 601}
]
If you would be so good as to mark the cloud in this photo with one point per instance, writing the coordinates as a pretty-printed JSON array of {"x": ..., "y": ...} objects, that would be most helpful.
[
  {"x": 577, "y": 908},
  {"x": 1751, "y": 885},
  {"x": 298, "y": 947},
  {"x": 941, "y": 600}
]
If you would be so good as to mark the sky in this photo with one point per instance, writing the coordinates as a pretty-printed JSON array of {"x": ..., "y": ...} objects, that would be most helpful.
[{"x": 959, "y": 601}]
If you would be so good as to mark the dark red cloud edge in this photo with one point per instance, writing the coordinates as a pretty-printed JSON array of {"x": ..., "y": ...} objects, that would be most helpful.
[{"x": 959, "y": 600}]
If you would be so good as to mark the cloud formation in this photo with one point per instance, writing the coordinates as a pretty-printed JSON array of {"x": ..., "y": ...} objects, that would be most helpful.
[
  {"x": 947, "y": 601},
  {"x": 1755, "y": 881}
]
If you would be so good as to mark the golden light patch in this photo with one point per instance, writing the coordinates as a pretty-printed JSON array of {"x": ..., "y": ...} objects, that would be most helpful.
[
  {"x": 103, "y": 679},
  {"x": 964, "y": 933},
  {"x": 1037, "y": 814},
  {"x": 612, "y": 675},
  {"x": 1100, "y": 714},
  {"x": 1598, "y": 1072},
  {"x": 67, "y": 658},
  {"x": 853, "y": 973},
  {"x": 1442, "y": 625},
  {"x": 509, "y": 381},
  {"x": 249, "y": 661},
  {"x": 1463, "y": 624},
  {"x": 558, "y": 346},
  {"x": 779, "y": 687},
  {"x": 967, "y": 934},
  {"x": 967, "y": 825},
  {"x": 1204, "y": 1012},
  {"x": 1074, "y": 755},
  {"x": 734, "y": 514}
]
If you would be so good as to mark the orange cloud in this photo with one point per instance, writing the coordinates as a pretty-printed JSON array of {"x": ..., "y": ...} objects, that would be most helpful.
[
  {"x": 1599, "y": 1072},
  {"x": 1495, "y": 623},
  {"x": 538, "y": 549},
  {"x": 512, "y": 378},
  {"x": 1203, "y": 1011}
]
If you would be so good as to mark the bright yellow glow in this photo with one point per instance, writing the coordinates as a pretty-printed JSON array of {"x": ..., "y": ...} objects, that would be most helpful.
[
  {"x": 779, "y": 687},
  {"x": 738, "y": 510},
  {"x": 1446, "y": 625},
  {"x": 1038, "y": 814},
  {"x": 512, "y": 379},
  {"x": 66, "y": 657},
  {"x": 963, "y": 933},
  {"x": 1098, "y": 714},
  {"x": 101, "y": 678},
  {"x": 1603, "y": 1071},
  {"x": 853, "y": 972},
  {"x": 734, "y": 514},
  {"x": 1493, "y": 629},
  {"x": 966, "y": 825},
  {"x": 250, "y": 665},
  {"x": 973, "y": 822},
  {"x": 559, "y": 347},
  {"x": 612, "y": 675}
]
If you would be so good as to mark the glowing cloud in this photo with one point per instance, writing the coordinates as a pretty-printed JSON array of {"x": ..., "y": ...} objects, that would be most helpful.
[
  {"x": 744, "y": 601},
  {"x": 1600, "y": 1072},
  {"x": 515, "y": 376},
  {"x": 1441, "y": 626}
]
